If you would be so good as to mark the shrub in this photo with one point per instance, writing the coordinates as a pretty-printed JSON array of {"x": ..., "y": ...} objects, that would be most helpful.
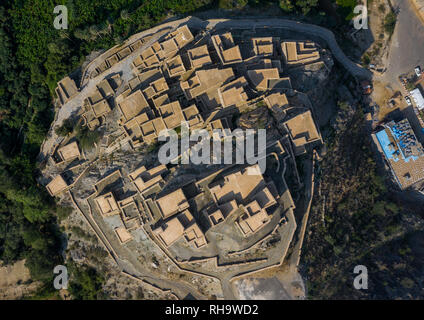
[
  {"x": 410, "y": 86},
  {"x": 232, "y": 4},
  {"x": 153, "y": 147},
  {"x": 286, "y": 5},
  {"x": 343, "y": 105},
  {"x": 86, "y": 283},
  {"x": 63, "y": 212},
  {"x": 66, "y": 128},
  {"x": 86, "y": 137},
  {"x": 390, "y": 23}
]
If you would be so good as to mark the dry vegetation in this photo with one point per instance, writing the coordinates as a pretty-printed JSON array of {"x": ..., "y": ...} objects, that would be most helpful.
[{"x": 361, "y": 222}]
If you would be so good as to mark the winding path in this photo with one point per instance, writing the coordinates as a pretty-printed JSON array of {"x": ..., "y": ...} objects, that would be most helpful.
[
  {"x": 74, "y": 105},
  {"x": 325, "y": 34}
]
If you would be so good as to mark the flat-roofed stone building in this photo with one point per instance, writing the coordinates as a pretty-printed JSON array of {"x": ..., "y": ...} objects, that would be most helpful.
[
  {"x": 57, "y": 185},
  {"x": 263, "y": 47},
  {"x": 233, "y": 94},
  {"x": 133, "y": 105},
  {"x": 172, "y": 203},
  {"x": 66, "y": 90},
  {"x": 123, "y": 235},
  {"x": 303, "y": 131},
  {"x": 171, "y": 114},
  {"x": 253, "y": 219},
  {"x": 147, "y": 179},
  {"x": 107, "y": 205},
  {"x": 227, "y": 51},
  {"x": 199, "y": 56},
  {"x": 261, "y": 78},
  {"x": 299, "y": 53},
  {"x": 183, "y": 225},
  {"x": 193, "y": 117},
  {"x": 69, "y": 152},
  {"x": 175, "y": 67}
]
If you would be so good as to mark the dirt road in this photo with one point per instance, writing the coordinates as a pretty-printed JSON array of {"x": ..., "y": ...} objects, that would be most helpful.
[{"x": 13, "y": 280}]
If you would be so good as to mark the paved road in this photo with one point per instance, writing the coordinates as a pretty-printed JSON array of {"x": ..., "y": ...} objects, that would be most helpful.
[{"x": 407, "y": 48}]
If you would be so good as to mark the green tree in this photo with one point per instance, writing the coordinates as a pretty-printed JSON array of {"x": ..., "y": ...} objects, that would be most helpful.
[
  {"x": 306, "y": 5},
  {"x": 86, "y": 283},
  {"x": 286, "y": 5},
  {"x": 66, "y": 128},
  {"x": 390, "y": 23}
]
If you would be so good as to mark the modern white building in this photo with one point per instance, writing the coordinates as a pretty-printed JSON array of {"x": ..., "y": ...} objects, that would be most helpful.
[{"x": 418, "y": 98}]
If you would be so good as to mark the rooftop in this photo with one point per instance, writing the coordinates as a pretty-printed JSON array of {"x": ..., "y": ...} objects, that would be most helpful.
[
  {"x": 181, "y": 225},
  {"x": 263, "y": 46},
  {"x": 105, "y": 88},
  {"x": 66, "y": 89},
  {"x": 199, "y": 56},
  {"x": 170, "y": 231},
  {"x": 69, "y": 152},
  {"x": 260, "y": 77},
  {"x": 133, "y": 105},
  {"x": 101, "y": 108},
  {"x": 295, "y": 53},
  {"x": 403, "y": 151},
  {"x": 216, "y": 217},
  {"x": 148, "y": 174},
  {"x": 57, "y": 185},
  {"x": 193, "y": 117},
  {"x": 172, "y": 203},
  {"x": 176, "y": 66},
  {"x": 155, "y": 88},
  {"x": 238, "y": 186},
  {"x": 182, "y": 36},
  {"x": 276, "y": 100},
  {"x": 302, "y": 129},
  {"x": 151, "y": 129},
  {"x": 171, "y": 114},
  {"x": 123, "y": 235},
  {"x": 145, "y": 179},
  {"x": 95, "y": 97},
  {"x": 265, "y": 198},
  {"x": 233, "y": 93},
  {"x": 227, "y": 51},
  {"x": 205, "y": 80},
  {"x": 253, "y": 220},
  {"x": 418, "y": 98},
  {"x": 107, "y": 204}
]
